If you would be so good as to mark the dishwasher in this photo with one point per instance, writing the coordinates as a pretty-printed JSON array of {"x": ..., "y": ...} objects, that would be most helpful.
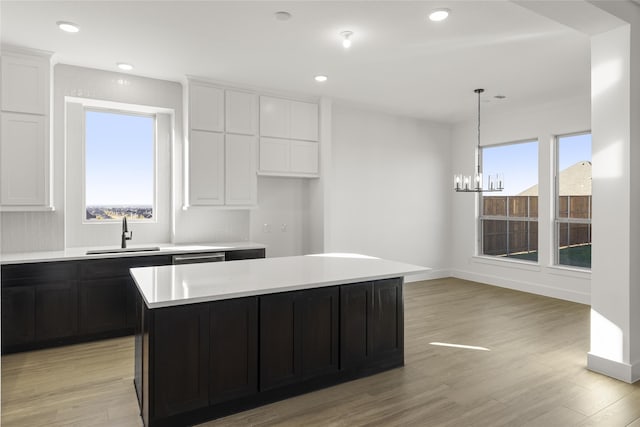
[{"x": 197, "y": 258}]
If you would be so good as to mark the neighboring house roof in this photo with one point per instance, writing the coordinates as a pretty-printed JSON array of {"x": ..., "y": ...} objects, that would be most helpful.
[{"x": 574, "y": 181}]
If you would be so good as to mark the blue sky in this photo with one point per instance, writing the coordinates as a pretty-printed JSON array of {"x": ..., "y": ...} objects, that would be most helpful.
[
  {"x": 119, "y": 159},
  {"x": 519, "y": 162}
]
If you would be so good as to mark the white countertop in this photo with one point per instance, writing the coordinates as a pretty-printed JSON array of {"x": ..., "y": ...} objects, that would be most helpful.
[
  {"x": 186, "y": 284},
  {"x": 81, "y": 252}
]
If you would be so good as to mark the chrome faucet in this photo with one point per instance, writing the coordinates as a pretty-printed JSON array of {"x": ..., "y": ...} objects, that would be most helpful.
[{"x": 126, "y": 234}]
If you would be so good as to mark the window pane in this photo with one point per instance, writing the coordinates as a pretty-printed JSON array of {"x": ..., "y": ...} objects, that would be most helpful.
[
  {"x": 575, "y": 244},
  {"x": 493, "y": 205},
  {"x": 119, "y": 166},
  {"x": 574, "y": 200},
  {"x": 511, "y": 237},
  {"x": 518, "y": 206},
  {"x": 494, "y": 237}
]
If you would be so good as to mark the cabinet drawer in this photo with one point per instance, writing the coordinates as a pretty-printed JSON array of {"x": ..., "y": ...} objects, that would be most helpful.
[
  {"x": 244, "y": 254},
  {"x": 17, "y": 274},
  {"x": 118, "y": 267}
]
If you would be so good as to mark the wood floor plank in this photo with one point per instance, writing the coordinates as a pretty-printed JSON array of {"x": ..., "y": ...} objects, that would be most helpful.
[{"x": 531, "y": 372}]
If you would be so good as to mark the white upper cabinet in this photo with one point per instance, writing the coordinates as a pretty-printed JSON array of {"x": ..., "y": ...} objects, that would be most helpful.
[
  {"x": 25, "y": 144},
  {"x": 241, "y": 112},
  {"x": 304, "y": 157},
  {"x": 274, "y": 155},
  {"x": 25, "y": 83},
  {"x": 304, "y": 121},
  {"x": 222, "y": 167},
  {"x": 241, "y": 181},
  {"x": 275, "y": 117},
  {"x": 206, "y": 168},
  {"x": 23, "y": 160},
  {"x": 288, "y": 137},
  {"x": 206, "y": 107}
]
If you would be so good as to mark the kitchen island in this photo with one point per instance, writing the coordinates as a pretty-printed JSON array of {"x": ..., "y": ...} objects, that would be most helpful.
[{"x": 218, "y": 338}]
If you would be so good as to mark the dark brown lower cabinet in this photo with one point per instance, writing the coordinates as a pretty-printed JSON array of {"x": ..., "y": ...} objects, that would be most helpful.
[
  {"x": 18, "y": 316},
  {"x": 202, "y": 361},
  {"x": 233, "y": 349},
  {"x": 101, "y": 304},
  {"x": 38, "y": 313},
  {"x": 372, "y": 326},
  {"x": 56, "y": 307},
  {"x": 181, "y": 349},
  {"x": 298, "y": 336}
]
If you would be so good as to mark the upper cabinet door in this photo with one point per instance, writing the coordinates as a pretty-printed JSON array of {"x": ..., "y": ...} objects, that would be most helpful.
[
  {"x": 25, "y": 84},
  {"x": 206, "y": 107},
  {"x": 275, "y": 117},
  {"x": 241, "y": 112},
  {"x": 24, "y": 166},
  {"x": 304, "y": 121},
  {"x": 241, "y": 181},
  {"x": 206, "y": 168}
]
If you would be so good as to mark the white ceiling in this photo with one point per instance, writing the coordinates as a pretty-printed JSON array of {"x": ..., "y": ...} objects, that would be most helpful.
[{"x": 399, "y": 62}]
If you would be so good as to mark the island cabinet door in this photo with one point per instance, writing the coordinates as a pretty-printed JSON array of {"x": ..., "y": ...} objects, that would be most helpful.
[
  {"x": 356, "y": 302},
  {"x": 180, "y": 359},
  {"x": 319, "y": 319},
  {"x": 371, "y": 324},
  {"x": 298, "y": 336},
  {"x": 387, "y": 320},
  {"x": 233, "y": 349},
  {"x": 279, "y": 340}
]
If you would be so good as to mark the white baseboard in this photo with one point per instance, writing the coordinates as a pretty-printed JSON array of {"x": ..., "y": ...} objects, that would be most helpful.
[
  {"x": 618, "y": 370},
  {"x": 533, "y": 288},
  {"x": 430, "y": 275}
]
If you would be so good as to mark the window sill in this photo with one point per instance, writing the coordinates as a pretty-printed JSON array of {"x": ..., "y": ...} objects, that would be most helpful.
[
  {"x": 505, "y": 262},
  {"x": 569, "y": 271}
]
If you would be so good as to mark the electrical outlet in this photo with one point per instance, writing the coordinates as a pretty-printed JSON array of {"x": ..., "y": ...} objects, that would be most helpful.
[
  {"x": 266, "y": 228},
  {"x": 283, "y": 228}
]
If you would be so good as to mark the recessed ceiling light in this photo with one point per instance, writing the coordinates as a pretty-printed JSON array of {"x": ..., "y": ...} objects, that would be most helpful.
[
  {"x": 320, "y": 78},
  {"x": 282, "y": 15},
  {"x": 346, "y": 39},
  {"x": 438, "y": 15},
  {"x": 124, "y": 66},
  {"x": 68, "y": 27}
]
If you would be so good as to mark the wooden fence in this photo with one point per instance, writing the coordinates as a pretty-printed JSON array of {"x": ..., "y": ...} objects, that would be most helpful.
[{"x": 510, "y": 223}]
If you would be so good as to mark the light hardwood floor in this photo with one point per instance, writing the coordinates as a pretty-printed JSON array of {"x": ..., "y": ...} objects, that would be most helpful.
[{"x": 532, "y": 373}]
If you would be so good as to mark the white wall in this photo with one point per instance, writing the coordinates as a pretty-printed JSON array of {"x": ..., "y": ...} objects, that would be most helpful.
[
  {"x": 390, "y": 189},
  {"x": 281, "y": 220},
  {"x": 542, "y": 123}
]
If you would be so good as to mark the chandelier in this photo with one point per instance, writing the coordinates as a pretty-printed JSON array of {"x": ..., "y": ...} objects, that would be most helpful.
[{"x": 474, "y": 183}]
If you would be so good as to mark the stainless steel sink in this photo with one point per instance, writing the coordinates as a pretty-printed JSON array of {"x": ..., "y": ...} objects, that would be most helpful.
[{"x": 122, "y": 250}]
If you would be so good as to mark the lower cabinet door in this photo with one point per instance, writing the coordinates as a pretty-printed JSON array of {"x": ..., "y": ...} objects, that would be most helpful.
[
  {"x": 103, "y": 305},
  {"x": 233, "y": 349},
  {"x": 355, "y": 308},
  {"x": 18, "y": 316},
  {"x": 56, "y": 308},
  {"x": 180, "y": 359},
  {"x": 387, "y": 320},
  {"x": 299, "y": 336},
  {"x": 319, "y": 318},
  {"x": 279, "y": 340}
]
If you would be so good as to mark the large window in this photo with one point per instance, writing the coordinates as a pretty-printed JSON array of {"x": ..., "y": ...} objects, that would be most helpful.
[
  {"x": 509, "y": 219},
  {"x": 573, "y": 200},
  {"x": 119, "y": 166}
]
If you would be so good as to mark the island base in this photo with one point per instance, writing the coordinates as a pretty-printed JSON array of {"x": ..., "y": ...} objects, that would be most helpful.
[{"x": 202, "y": 361}]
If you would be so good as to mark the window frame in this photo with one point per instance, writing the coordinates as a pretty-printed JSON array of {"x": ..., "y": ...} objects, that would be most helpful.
[
  {"x": 129, "y": 112},
  {"x": 528, "y": 219},
  {"x": 557, "y": 220}
]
